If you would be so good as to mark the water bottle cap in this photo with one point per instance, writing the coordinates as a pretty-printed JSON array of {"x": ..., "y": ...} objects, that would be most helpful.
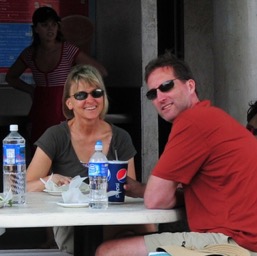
[
  {"x": 13, "y": 127},
  {"x": 98, "y": 145}
]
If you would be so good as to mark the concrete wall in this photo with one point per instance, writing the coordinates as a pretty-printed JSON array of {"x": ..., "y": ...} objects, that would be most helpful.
[
  {"x": 118, "y": 41},
  {"x": 221, "y": 48},
  {"x": 149, "y": 118},
  {"x": 198, "y": 37},
  {"x": 235, "y": 51}
]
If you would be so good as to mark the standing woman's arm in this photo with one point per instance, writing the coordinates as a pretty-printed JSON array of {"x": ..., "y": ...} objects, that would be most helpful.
[{"x": 13, "y": 77}]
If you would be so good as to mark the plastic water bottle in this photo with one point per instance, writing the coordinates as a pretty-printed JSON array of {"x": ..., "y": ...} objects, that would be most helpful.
[
  {"x": 97, "y": 172},
  {"x": 14, "y": 165}
]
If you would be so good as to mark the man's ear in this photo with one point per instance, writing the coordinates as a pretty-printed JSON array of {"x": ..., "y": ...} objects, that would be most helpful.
[{"x": 191, "y": 85}]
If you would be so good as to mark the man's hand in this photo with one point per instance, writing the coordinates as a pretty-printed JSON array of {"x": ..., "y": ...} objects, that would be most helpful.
[{"x": 134, "y": 188}]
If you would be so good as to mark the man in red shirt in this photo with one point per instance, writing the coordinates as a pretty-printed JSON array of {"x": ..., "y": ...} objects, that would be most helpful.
[{"x": 210, "y": 154}]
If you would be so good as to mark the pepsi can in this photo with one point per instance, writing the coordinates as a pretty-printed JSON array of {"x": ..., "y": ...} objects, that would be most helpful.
[{"x": 117, "y": 174}]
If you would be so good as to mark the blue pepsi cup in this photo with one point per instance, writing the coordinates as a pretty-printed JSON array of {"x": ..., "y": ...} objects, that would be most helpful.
[{"x": 117, "y": 174}]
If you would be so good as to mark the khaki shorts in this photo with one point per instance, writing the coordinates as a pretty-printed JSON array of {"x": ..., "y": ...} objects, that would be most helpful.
[
  {"x": 64, "y": 236},
  {"x": 188, "y": 239}
]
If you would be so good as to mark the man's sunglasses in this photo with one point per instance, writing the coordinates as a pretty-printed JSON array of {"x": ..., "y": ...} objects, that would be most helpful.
[
  {"x": 251, "y": 129},
  {"x": 164, "y": 87},
  {"x": 97, "y": 93}
]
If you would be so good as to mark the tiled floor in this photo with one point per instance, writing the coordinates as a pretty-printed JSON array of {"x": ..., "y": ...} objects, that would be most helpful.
[{"x": 33, "y": 252}]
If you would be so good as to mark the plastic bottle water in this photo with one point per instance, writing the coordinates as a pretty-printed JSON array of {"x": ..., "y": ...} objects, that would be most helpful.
[
  {"x": 98, "y": 171},
  {"x": 14, "y": 165}
]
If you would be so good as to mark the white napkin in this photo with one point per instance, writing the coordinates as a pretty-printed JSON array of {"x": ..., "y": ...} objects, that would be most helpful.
[
  {"x": 50, "y": 185},
  {"x": 74, "y": 194},
  {"x": 7, "y": 199}
]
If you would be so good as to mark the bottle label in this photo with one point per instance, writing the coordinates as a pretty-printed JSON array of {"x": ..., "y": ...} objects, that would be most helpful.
[
  {"x": 13, "y": 154},
  {"x": 98, "y": 169}
]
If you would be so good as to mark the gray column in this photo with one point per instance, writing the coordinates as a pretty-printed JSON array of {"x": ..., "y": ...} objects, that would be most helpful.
[
  {"x": 235, "y": 55},
  {"x": 149, "y": 118}
]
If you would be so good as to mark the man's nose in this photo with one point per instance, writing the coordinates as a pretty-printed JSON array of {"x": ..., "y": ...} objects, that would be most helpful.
[{"x": 161, "y": 95}]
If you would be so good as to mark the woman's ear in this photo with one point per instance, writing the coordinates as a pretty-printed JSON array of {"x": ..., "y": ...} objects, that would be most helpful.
[{"x": 69, "y": 104}]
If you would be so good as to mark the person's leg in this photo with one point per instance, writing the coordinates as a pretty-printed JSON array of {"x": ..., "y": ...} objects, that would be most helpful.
[
  {"x": 121, "y": 231},
  {"x": 192, "y": 240},
  {"x": 143, "y": 245},
  {"x": 50, "y": 241},
  {"x": 64, "y": 238},
  {"x": 134, "y": 246}
]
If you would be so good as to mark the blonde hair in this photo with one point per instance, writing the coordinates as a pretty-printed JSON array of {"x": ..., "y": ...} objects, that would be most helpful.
[{"x": 91, "y": 76}]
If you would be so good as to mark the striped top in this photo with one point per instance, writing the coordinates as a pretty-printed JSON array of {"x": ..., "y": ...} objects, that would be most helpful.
[{"x": 58, "y": 75}]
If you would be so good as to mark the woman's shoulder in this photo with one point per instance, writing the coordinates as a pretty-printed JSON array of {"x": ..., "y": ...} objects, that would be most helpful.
[
  {"x": 121, "y": 141},
  {"x": 59, "y": 130},
  {"x": 28, "y": 51},
  {"x": 119, "y": 132},
  {"x": 69, "y": 45}
]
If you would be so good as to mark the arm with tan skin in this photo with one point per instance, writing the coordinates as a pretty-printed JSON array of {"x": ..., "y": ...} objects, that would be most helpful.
[
  {"x": 39, "y": 168},
  {"x": 137, "y": 189},
  {"x": 83, "y": 58},
  {"x": 160, "y": 193},
  {"x": 13, "y": 77}
]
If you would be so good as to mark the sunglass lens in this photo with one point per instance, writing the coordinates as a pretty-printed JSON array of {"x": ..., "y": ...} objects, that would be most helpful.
[
  {"x": 152, "y": 94},
  {"x": 165, "y": 87},
  {"x": 97, "y": 93},
  {"x": 80, "y": 95}
]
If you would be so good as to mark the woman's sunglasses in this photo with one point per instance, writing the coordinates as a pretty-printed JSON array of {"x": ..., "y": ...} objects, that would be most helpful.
[
  {"x": 97, "y": 93},
  {"x": 251, "y": 129},
  {"x": 164, "y": 87}
]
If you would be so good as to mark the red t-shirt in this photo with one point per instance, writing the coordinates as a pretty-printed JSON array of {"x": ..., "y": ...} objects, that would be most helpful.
[{"x": 215, "y": 158}]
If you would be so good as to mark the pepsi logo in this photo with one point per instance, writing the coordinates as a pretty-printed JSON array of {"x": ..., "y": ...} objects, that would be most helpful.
[
  {"x": 109, "y": 175},
  {"x": 121, "y": 175}
]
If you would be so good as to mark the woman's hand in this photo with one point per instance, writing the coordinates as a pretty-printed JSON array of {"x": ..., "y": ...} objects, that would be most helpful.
[
  {"x": 134, "y": 188},
  {"x": 60, "y": 179}
]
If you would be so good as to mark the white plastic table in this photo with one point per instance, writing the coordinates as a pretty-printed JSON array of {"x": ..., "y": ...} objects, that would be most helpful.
[{"x": 41, "y": 210}]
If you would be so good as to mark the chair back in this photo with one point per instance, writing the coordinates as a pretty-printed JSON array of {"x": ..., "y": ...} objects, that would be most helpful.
[{"x": 79, "y": 30}]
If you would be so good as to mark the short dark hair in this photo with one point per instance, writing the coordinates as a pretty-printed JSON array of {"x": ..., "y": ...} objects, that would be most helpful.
[
  {"x": 252, "y": 111},
  {"x": 43, "y": 14},
  {"x": 181, "y": 69}
]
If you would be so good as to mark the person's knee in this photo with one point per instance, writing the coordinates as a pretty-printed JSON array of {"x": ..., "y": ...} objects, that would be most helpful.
[{"x": 102, "y": 250}]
